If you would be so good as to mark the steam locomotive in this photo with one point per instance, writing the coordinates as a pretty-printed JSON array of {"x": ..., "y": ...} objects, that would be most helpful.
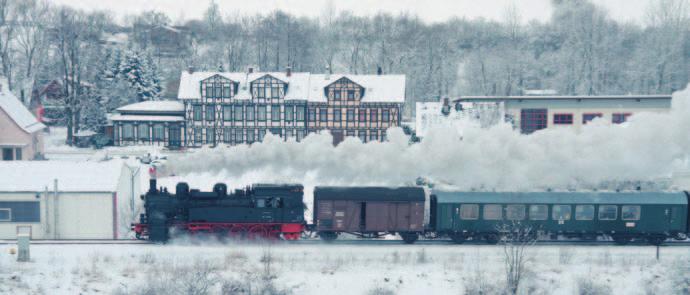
[{"x": 277, "y": 211}]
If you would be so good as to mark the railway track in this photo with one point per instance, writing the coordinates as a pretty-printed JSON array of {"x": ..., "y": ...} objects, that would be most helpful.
[{"x": 353, "y": 242}]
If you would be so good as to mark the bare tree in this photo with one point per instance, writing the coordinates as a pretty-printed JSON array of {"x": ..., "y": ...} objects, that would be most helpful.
[
  {"x": 7, "y": 34},
  {"x": 31, "y": 40},
  {"x": 516, "y": 238}
]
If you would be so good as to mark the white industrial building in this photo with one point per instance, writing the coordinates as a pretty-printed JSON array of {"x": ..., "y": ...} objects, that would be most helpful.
[
  {"x": 67, "y": 200},
  {"x": 536, "y": 112}
]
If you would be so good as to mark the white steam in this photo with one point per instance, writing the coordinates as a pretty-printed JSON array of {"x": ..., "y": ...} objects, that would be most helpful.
[{"x": 646, "y": 148}]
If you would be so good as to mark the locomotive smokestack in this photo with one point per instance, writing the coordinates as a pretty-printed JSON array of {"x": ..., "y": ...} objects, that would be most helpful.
[{"x": 152, "y": 185}]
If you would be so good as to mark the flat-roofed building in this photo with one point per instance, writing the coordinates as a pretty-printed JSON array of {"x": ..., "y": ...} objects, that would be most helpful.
[{"x": 532, "y": 113}]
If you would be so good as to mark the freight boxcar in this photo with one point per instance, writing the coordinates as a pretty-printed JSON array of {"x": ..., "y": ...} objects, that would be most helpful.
[
  {"x": 369, "y": 211},
  {"x": 623, "y": 216}
]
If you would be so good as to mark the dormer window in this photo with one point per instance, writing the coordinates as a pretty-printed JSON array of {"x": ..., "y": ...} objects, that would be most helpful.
[
  {"x": 344, "y": 89},
  {"x": 268, "y": 87},
  {"x": 217, "y": 87}
]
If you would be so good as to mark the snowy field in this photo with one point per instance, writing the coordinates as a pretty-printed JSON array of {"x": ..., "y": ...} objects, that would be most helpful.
[{"x": 363, "y": 268}]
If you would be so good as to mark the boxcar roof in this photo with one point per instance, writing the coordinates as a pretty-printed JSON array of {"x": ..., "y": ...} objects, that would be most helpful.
[
  {"x": 674, "y": 198},
  {"x": 369, "y": 193}
]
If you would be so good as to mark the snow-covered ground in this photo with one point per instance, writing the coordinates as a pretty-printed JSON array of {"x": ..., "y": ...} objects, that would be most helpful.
[{"x": 338, "y": 269}]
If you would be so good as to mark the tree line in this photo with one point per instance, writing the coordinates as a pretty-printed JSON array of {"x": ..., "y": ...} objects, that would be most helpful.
[{"x": 579, "y": 50}]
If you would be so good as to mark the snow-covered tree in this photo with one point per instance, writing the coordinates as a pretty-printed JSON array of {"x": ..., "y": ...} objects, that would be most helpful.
[{"x": 139, "y": 70}]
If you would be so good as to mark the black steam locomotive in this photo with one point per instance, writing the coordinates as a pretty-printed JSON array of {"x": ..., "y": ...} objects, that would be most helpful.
[{"x": 260, "y": 211}]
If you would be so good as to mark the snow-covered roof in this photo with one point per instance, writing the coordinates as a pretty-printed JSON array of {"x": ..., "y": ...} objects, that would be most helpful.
[
  {"x": 153, "y": 106},
  {"x": 35, "y": 176},
  {"x": 560, "y": 97},
  {"x": 18, "y": 112},
  {"x": 154, "y": 118},
  {"x": 302, "y": 85}
]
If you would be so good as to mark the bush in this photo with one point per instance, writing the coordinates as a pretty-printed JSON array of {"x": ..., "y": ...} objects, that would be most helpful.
[{"x": 589, "y": 286}]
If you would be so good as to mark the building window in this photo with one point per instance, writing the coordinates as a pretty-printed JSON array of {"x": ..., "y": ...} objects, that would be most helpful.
[
  {"x": 18, "y": 154},
  {"x": 226, "y": 91},
  {"x": 227, "y": 136},
  {"x": 218, "y": 93},
  {"x": 300, "y": 134},
  {"x": 619, "y": 118},
  {"x": 5, "y": 214},
  {"x": 299, "y": 111},
  {"x": 196, "y": 110},
  {"x": 362, "y": 135},
  {"x": 227, "y": 113},
  {"x": 197, "y": 136},
  {"x": 385, "y": 116},
  {"x": 143, "y": 131},
  {"x": 275, "y": 92},
  {"x": 374, "y": 116},
  {"x": 350, "y": 133},
  {"x": 493, "y": 212},
  {"x": 239, "y": 136},
  {"x": 7, "y": 154},
  {"x": 608, "y": 212},
  {"x": 250, "y": 135},
  {"x": 209, "y": 90},
  {"x": 312, "y": 115},
  {"x": 337, "y": 115},
  {"x": 210, "y": 113},
  {"x": 323, "y": 114},
  {"x": 277, "y": 131},
  {"x": 350, "y": 95},
  {"x": 275, "y": 112},
  {"x": 210, "y": 138},
  {"x": 336, "y": 94},
  {"x": 469, "y": 211},
  {"x": 261, "y": 113},
  {"x": 590, "y": 116},
  {"x": 261, "y": 92},
  {"x": 373, "y": 135},
  {"x": 158, "y": 132},
  {"x": 563, "y": 119},
  {"x": 532, "y": 120},
  {"x": 538, "y": 212},
  {"x": 262, "y": 134},
  {"x": 289, "y": 113},
  {"x": 128, "y": 131},
  {"x": 239, "y": 112},
  {"x": 350, "y": 115},
  {"x": 20, "y": 211},
  {"x": 250, "y": 113},
  {"x": 362, "y": 115}
]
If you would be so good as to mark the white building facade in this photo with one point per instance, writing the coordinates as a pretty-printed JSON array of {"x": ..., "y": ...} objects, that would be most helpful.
[
  {"x": 532, "y": 113},
  {"x": 67, "y": 200}
]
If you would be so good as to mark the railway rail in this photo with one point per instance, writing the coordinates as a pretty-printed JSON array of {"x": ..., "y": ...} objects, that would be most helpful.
[{"x": 354, "y": 242}]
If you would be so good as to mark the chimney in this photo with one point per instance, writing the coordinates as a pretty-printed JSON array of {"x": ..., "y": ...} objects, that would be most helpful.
[
  {"x": 288, "y": 71},
  {"x": 190, "y": 69},
  {"x": 250, "y": 70},
  {"x": 379, "y": 70}
]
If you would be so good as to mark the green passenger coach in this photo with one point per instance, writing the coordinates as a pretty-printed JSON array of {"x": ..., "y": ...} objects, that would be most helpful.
[{"x": 623, "y": 216}]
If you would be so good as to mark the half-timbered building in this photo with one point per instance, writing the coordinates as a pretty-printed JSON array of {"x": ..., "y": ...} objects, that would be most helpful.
[
  {"x": 234, "y": 108},
  {"x": 241, "y": 108}
]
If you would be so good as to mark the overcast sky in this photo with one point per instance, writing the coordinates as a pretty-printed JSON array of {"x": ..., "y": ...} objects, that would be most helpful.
[{"x": 428, "y": 10}]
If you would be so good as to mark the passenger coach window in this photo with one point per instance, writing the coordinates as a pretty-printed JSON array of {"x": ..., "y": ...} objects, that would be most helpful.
[
  {"x": 493, "y": 212},
  {"x": 608, "y": 212},
  {"x": 584, "y": 212},
  {"x": 561, "y": 212},
  {"x": 629, "y": 212},
  {"x": 469, "y": 211},
  {"x": 515, "y": 212},
  {"x": 538, "y": 212}
]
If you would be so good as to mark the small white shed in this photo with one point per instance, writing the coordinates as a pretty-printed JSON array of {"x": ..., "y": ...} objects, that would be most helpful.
[{"x": 67, "y": 200}]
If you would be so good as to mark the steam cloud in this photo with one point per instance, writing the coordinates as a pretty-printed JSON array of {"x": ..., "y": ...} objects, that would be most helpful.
[{"x": 648, "y": 147}]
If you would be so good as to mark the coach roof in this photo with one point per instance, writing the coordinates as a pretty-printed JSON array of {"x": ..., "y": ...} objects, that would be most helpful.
[{"x": 370, "y": 193}]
